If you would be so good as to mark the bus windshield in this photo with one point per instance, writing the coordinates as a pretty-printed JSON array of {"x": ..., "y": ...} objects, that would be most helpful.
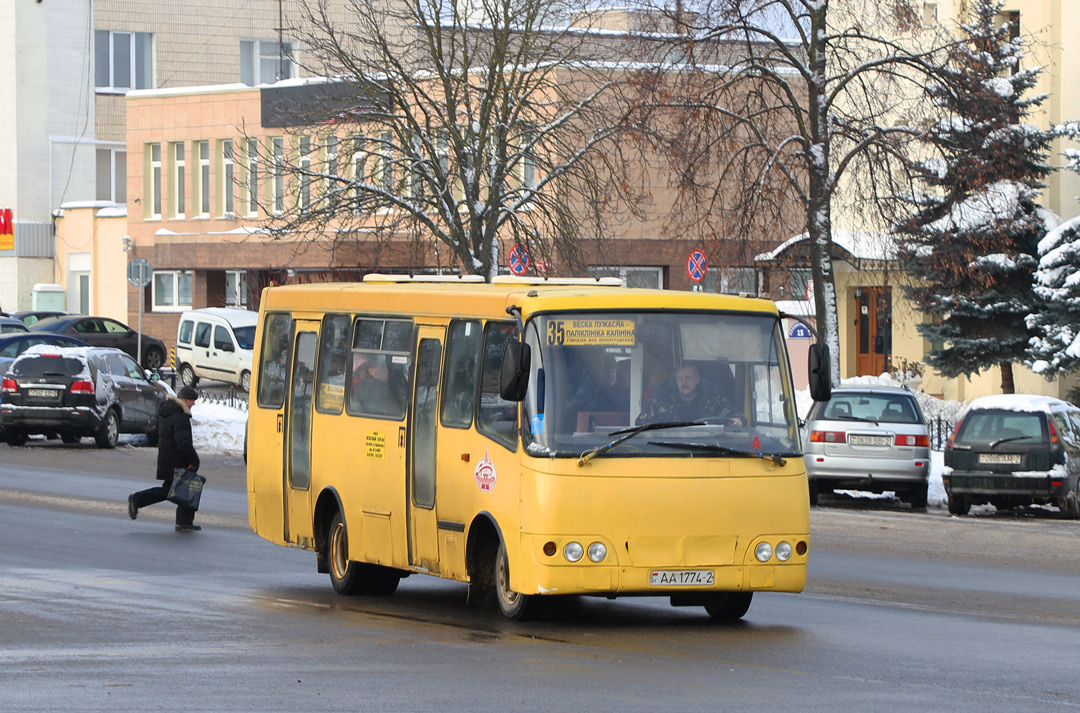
[{"x": 707, "y": 383}]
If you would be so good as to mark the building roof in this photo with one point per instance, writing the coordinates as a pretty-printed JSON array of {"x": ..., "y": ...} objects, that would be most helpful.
[{"x": 852, "y": 245}]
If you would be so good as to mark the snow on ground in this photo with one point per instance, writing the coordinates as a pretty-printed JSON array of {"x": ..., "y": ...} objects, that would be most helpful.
[{"x": 216, "y": 428}]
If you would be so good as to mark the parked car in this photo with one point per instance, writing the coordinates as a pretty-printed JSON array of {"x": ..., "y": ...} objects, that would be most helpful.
[
  {"x": 868, "y": 438},
  {"x": 12, "y": 345},
  {"x": 216, "y": 343},
  {"x": 74, "y": 392},
  {"x": 1014, "y": 450},
  {"x": 32, "y": 317},
  {"x": 10, "y": 324},
  {"x": 105, "y": 332}
]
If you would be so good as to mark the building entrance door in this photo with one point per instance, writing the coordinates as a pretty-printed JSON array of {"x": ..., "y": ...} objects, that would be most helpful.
[{"x": 873, "y": 325}]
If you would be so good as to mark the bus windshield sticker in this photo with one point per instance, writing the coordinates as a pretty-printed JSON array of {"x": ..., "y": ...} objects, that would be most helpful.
[
  {"x": 375, "y": 445},
  {"x": 485, "y": 474},
  {"x": 594, "y": 332}
]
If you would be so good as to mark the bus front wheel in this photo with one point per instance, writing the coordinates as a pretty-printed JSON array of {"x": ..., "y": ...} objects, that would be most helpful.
[
  {"x": 731, "y": 606},
  {"x": 344, "y": 574},
  {"x": 513, "y": 605}
]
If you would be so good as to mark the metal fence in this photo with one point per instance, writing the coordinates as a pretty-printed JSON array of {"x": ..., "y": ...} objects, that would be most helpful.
[
  {"x": 939, "y": 429},
  {"x": 231, "y": 397}
]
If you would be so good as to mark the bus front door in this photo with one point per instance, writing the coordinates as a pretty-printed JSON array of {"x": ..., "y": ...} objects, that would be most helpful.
[
  {"x": 298, "y": 520},
  {"x": 424, "y": 418}
]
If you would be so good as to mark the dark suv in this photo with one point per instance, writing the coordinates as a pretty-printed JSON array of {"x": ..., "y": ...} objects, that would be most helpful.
[
  {"x": 1014, "y": 450},
  {"x": 73, "y": 392}
]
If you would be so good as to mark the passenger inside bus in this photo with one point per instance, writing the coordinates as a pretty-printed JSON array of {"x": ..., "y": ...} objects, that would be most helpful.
[
  {"x": 371, "y": 392},
  {"x": 688, "y": 398}
]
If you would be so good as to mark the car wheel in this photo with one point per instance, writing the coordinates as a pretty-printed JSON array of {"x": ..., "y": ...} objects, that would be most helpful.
[
  {"x": 513, "y": 605},
  {"x": 959, "y": 505},
  {"x": 187, "y": 376},
  {"x": 729, "y": 606},
  {"x": 109, "y": 433},
  {"x": 813, "y": 492},
  {"x": 1072, "y": 503},
  {"x": 153, "y": 359},
  {"x": 917, "y": 497},
  {"x": 14, "y": 438},
  {"x": 152, "y": 435},
  {"x": 69, "y": 438},
  {"x": 245, "y": 381}
]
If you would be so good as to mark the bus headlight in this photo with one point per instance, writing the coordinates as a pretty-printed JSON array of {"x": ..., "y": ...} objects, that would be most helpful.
[
  {"x": 597, "y": 552},
  {"x": 573, "y": 551},
  {"x": 783, "y": 552},
  {"x": 763, "y": 552}
]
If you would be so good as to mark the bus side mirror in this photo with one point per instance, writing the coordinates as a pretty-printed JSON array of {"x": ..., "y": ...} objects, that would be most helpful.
[
  {"x": 818, "y": 370},
  {"x": 514, "y": 379}
]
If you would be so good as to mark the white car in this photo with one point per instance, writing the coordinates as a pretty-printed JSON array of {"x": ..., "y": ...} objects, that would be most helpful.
[
  {"x": 868, "y": 438},
  {"x": 216, "y": 343}
]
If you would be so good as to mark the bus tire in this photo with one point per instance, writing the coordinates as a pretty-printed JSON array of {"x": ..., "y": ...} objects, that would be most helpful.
[
  {"x": 729, "y": 606},
  {"x": 513, "y": 605},
  {"x": 378, "y": 580},
  {"x": 345, "y": 575}
]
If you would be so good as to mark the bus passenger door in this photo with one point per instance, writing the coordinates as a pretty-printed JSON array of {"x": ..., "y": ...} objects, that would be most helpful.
[
  {"x": 298, "y": 520},
  {"x": 424, "y": 419}
]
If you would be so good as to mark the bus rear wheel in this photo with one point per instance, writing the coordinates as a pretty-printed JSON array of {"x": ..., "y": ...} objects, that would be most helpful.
[
  {"x": 730, "y": 606},
  {"x": 344, "y": 574},
  {"x": 513, "y": 605}
]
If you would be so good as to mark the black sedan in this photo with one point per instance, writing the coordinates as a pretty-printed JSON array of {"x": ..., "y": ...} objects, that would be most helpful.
[{"x": 105, "y": 332}]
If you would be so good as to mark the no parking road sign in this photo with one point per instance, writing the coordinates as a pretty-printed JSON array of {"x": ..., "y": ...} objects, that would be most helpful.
[
  {"x": 697, "y": 265},
  {"x": 519, "y": 260}
]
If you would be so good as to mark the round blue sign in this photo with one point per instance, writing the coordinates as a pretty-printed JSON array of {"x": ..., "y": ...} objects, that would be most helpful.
[
  {"x": 697, "y": 265},
  {"x": 519, "y": 260}
]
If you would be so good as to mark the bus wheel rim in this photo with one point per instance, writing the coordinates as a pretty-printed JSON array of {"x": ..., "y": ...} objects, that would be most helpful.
[{"x": 338, "y": 555}]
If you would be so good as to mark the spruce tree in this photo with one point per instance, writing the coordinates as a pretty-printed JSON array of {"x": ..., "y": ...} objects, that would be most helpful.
[{"x": 971, "y": 241}]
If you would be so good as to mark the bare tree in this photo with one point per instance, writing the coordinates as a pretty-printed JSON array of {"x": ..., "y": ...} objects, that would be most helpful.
[
  {"x": 445, "y": 130},
  {"x": 815, "y": 97}
]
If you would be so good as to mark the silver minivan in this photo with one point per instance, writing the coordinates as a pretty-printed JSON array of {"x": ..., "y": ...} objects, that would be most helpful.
[{"x": 216, "y": 343}]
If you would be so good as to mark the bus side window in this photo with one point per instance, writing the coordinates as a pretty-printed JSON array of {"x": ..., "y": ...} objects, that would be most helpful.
[
  {"x": 460, "y": 378},
  {"x": 274, "y": 360},
  {"x": 333, "y": 358},
  {"x": 497, "y": 418}
]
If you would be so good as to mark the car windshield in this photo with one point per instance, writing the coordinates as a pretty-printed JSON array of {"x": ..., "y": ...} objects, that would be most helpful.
[
  {"x": 984, "y": 427},
  {"x": 245, "y": 336},
  {"x": 33, "y": 367},
  {"x": 705, "y": 382},
  {"x": 868, "y": 406}
]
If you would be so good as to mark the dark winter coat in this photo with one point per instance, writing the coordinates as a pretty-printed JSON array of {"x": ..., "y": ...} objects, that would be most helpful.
[{"x": 175, "y": 446}]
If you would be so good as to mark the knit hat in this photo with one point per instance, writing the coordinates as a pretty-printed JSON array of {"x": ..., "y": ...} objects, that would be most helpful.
[{"x": 188, "y": 393}]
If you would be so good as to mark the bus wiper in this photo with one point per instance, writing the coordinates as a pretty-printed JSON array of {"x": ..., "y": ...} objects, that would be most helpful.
[
  {"x": 628, "y": 433},
  {"x": 721, "y": 450},
  {"x": 995, "y": 444}
]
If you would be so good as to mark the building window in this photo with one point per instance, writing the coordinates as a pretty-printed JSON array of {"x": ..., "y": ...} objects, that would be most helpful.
[
  {"x": 227, "y": 177},
  {"x": 644, "y": 277},
  {"x": 798, "y": 282},
  {"x": 736, "y": 280},
  {"x": 279, "y": 174},
  {"x": 383, "y": 174},
  {"x": 265, "y": 61},
  {"x": 236, "y": 288},
  {"x": 178, "y": 179},
  {"x": 331, "y": 168},
  {"x": 123, "y": 60},
  {"x": 112, "y": 175},
  {"x": 358, "y": 167},
  {"x": 204, "y": 179},
  {"x": 252, "y": 193},
  {"x": 305, "y": 173},
  {"x": 155, "y": 181},
  {"x": 527, "y": 163},
  {"x": 171, "y": 290},
  {"x": 929, "y": 14}
]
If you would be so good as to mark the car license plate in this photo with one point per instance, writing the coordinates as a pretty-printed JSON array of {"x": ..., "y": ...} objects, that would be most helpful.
[
  {"x": 41, "y": 393},
  {"x": 857, "y": 440},
  {"x": 1000, "y": 458},
  {"x": 681, "y": 577}
]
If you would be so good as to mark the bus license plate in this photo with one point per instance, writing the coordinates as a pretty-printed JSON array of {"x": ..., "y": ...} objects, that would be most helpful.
[{"x": 681, "y": 577}]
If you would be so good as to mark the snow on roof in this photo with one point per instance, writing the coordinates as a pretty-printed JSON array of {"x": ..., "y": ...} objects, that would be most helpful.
[
  {"x": 1020, "y": 402},
  {"x": 859, "y": 244}
]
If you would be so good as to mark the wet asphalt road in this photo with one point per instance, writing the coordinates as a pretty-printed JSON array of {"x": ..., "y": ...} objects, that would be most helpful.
[{"x": 904, "y": 611}]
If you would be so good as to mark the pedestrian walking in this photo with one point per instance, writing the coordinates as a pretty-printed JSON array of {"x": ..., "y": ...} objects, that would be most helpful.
[{"x": 175, "y": 450}]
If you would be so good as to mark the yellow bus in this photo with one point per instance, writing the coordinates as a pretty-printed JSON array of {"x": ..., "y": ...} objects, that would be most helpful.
[{"x": 534, "y": 439}]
